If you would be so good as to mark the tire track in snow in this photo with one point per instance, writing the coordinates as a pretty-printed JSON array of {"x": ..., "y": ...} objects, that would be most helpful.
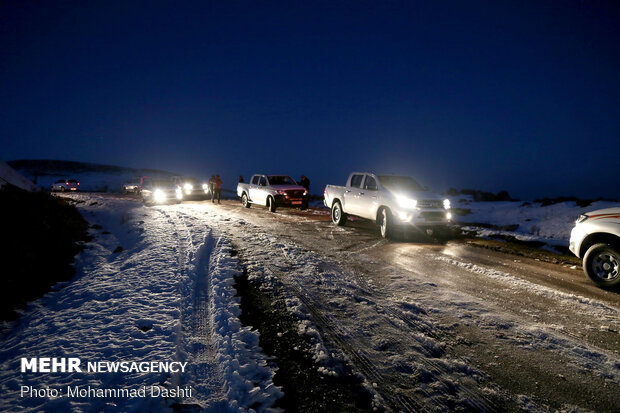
[{"x": 347, "y": 341}]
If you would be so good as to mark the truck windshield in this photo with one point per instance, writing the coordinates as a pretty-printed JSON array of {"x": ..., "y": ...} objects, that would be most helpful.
[
  {"x": 160, "y": 183},
  {"x": 281, "y": 180},
  {"x": 400, "y": 183}
]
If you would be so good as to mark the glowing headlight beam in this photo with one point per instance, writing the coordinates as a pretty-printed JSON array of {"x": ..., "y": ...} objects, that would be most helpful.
[
  {"x": 446, "y": 203},
  {"x": 405, "y": 202},
  {"x": 159, "y": 196}
]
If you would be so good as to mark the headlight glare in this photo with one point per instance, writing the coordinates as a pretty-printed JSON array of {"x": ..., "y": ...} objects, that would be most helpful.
[
  {"x": 446, "y": 203},
  {"x": 405, "y": 202},
  {"x": 159, "y": 196}
]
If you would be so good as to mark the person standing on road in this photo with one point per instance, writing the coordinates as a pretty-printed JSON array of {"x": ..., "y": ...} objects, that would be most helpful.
[
  {"x": 211, "y": 185},
  {"x": 241, "y": 179},
  {"x": 305, "y": 182},
  {"x": 217, "y": 189}
]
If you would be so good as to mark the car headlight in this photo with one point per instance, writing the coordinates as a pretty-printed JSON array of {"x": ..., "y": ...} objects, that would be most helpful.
[
  {"x": 159, "y": 196},
  {"x": 405, "y": 202},
  {"x": 188, "y": 187},
  {"x": 305, "y": 193},
  {"x": 446, "y": 203},
  {"x": 205, "y": 186},
  {"x": 581, "y": 218},
  {"x": 281, "y": 192}
]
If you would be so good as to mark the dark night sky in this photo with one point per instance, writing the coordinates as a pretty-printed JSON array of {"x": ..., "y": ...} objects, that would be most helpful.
[{"x": 515, "y": 95}]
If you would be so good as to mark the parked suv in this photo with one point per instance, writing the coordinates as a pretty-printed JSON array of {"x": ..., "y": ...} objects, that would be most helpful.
[
  {"x": 596, "y": 239},
  {"x": 63, "y": 185}
]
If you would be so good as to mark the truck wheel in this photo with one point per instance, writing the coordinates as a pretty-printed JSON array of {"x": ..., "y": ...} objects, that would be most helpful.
[
  {"x": 244, "y": 200},
  {"x": 386, "y": 225},
  {"x": 338, "y": 216},
  {"x": 601, "y": 263},
  {"x": 271, "y": 204}
]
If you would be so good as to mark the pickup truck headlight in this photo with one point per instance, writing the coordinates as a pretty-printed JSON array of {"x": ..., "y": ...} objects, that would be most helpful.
[
  {"x": 446, "y": 203},
  {"x": 581, "y": 218},
  {"x": 281, "y": 192},
  {"x": 159, "y": 196},
  {"x": 405, "y": 202}
]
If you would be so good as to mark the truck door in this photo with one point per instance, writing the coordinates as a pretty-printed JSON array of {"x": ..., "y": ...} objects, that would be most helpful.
[
  {"x": 352, "y": 195},
  {"x": 260, "y": 192},
  {"x": 368, "y": 198},
  {"x": 253, "y": 189}
]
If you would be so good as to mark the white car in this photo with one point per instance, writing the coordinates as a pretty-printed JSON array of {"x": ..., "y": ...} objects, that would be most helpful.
[
  {"x": 596, "y": 239},
  {"x": 63, "y": 185},
  {"x": 160, "y": 191},
  {"x": 132, "y": 187},
  {"x": 192, "y": 187}
]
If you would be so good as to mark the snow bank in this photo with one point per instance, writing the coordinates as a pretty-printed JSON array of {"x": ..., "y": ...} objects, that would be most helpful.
[
  {"x": 550, "y": 224},
  {"x": 151, "y": 287},
  {"x": 11, "y": 176}
]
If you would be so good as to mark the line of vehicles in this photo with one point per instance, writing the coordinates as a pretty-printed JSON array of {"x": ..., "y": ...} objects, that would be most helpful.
[
  {"x": 166, "y": 190},
  {"x": 399, "y": 202},
  {"x": 394, "y": 203}
]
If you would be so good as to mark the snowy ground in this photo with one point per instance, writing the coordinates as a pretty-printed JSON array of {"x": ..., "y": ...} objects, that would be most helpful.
[
  {"x": 428, "y": 327},
  {"x": 525, "y": 221},
  {"x": 167, "y": 296}
]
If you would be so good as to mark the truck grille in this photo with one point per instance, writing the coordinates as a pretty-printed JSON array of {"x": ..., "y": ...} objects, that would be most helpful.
[
  {"x": 295, "y": 193},
  {"x": 430, "y": 204},
  {"x": 433, "y": 216}
]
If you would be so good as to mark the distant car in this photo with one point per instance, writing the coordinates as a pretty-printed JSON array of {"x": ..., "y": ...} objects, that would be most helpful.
[
  {"x": 132, "y": 187},
  {"x": 160, "y": 191},
  {"x": 192, "y": 187},
  {"x": 63, "y": 185},
  {"x": 273, "y": 191},
  {"x": 596, "y": 239}
]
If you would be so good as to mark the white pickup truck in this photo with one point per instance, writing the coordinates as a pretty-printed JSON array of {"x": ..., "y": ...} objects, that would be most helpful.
[
  {"x": 273, "y": 191},
  {"x": 391, "y": 201}
]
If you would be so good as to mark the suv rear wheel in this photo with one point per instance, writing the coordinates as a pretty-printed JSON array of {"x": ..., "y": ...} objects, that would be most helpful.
[{"x": 601, "y": 263}]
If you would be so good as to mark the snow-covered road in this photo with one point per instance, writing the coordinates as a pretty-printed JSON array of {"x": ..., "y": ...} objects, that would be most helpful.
[
  {"x": 429, "y": 327},
  {"x": 166, "y": 295}
]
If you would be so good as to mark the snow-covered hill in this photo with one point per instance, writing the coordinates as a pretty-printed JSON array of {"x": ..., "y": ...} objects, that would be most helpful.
[{"x": 9, "y": 175}]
